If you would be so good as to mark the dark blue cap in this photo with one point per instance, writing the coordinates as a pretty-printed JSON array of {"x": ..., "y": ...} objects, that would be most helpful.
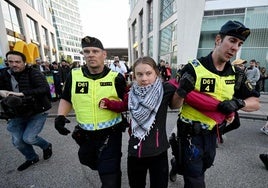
[
  {"x": 91, "y": 42},
  {"x": 235, "y": 29}
]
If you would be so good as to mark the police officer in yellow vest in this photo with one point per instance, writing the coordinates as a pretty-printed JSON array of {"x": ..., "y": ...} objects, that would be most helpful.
[
  {"x": 99, "y": 131},
  {"x": 215, "y": 76}
]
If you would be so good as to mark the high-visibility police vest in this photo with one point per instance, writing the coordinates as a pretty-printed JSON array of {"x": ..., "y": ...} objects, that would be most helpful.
[
  {"x": 86, "y": 95},
  {"x": 219, "y": 87}
]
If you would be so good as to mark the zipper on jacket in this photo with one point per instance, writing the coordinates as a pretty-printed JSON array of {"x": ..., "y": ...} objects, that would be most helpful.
[
  {"x": 157, "y": 138},
  {"x": 139, "y": 152}
]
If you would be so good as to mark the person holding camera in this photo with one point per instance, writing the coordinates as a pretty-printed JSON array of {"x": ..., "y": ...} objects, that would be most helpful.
[
  {"x": 99, "y": 131},
  {"x": 118, "y": 66},
  {"x": 25, "y": 98}
]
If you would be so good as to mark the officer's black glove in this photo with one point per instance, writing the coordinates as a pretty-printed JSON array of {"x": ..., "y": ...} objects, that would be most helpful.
[
  {"x": 186, "y": 85},
  {"x": 229, "y": 106},
  {"x": 59, "y": 124}
]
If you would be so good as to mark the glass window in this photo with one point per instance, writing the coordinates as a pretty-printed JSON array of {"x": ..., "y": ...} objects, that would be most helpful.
[
  {"x": 218, "y": 12},
  {"x": 255, "y": 47},
  {"x": 53, "y": 40},
  {"x": 214, "y": 23},
  {"x": 30, "y": 2},
  {"x": 44, "y": 36},
  {"x": 142, "y": 49},
  {"x": 256, "y": 18},
  {"x": 229, "y": 11},
  {"x": 41, "y": 9},
  {"x": 141, "y": 24},
  {"x": 150, "y": 46},
  {"x": 167, "y": 39},
  {"x": 11, "y": 17},
  {"x": 32, "y": 29},
  {"x": 167, "y": 9},
  {"x": 241, "y": 10},
  {"x": 134, "y": 31},
  {"x": 208, "y": 13},
  {"x": 150, "y": 17}
]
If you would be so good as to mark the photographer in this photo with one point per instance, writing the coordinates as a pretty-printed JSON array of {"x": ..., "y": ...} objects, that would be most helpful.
[
  {"x": 118, "y": 66},
  {"x": 25, "y": 98}
]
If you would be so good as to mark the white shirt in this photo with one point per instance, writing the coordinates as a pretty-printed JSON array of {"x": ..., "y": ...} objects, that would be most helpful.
[{"x": 122, "y": 69}]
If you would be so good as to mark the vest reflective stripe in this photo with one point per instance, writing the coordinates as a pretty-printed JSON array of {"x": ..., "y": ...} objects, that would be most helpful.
[
  {"x": 220, "y": 87},
  {"x": 103, "y": 125},
  {"x": 86, "y": 94}
]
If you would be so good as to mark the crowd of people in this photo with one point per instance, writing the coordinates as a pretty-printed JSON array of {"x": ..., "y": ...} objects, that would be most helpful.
[
  {"x": 58, "y": 71},
  {"x": 255, "y": 74},
  {"x": 207, "y": 92},
  {"x": 165, "y": 70}
]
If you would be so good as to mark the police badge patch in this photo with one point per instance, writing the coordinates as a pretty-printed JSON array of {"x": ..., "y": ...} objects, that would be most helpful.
[{"x": 81, "y": 87}]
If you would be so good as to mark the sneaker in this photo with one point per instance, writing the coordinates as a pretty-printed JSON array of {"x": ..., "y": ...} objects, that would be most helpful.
[
  {"x": 264, "y": 159},
  {"x": 47, "y": 152},
  {"x": 27, "y": 164},
  {"x": 264, "y": 130}
]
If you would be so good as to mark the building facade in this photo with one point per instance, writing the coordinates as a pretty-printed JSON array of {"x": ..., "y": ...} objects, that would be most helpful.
[
  {"x": 178, "y": 30},
  {"x": 67, "y": 22},
  {"x": 27, "y": 25},
  {"x": 254, "y": 14},
  {"x": 165, "y": 29},
  {"x": 53, "y": 26}
]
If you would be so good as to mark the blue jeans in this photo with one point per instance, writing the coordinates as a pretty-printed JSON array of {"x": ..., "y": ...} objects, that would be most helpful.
[{"x": 24, "y": 132}]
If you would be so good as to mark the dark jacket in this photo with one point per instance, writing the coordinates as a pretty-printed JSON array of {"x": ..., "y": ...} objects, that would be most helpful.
[
  {"x": 156, "y": 142},
  {"x": 33, "y": 84}
]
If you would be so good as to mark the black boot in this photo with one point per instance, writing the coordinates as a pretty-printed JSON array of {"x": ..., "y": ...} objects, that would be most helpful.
[
  {"x": 111, "y": 181},
  {"x": 173, "y": 171},
  {"x": 47, "y": 152},
  {"x": 27, "y": 164},
  {"x": 264, "y": 159}
]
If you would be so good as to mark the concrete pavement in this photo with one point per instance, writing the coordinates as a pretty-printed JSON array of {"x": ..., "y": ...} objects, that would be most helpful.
[
  {"x": 262, "y": 113},
  {"x": 236, "y": 165}
]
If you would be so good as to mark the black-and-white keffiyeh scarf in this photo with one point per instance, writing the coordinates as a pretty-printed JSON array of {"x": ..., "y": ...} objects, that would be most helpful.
[{"x": 143, "y": 105}]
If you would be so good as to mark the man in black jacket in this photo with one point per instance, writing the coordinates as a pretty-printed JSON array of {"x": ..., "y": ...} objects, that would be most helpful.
[{"x": 25, "y": 94}]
